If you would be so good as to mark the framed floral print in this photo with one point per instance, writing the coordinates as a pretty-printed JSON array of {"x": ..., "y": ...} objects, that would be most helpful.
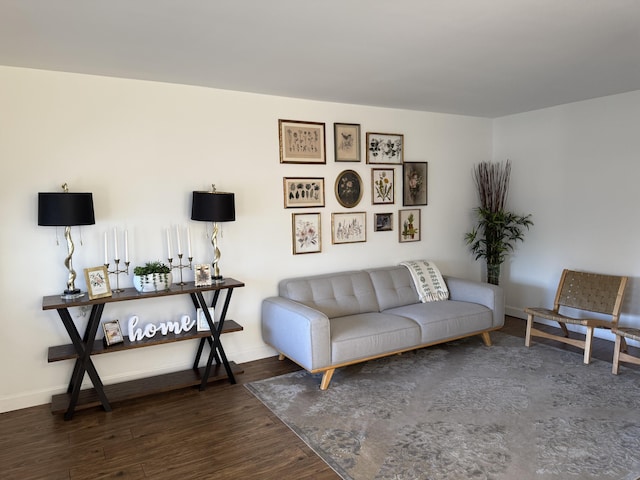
[
  {"x": 303, "y": 192},
  {"x": 348, "y": 227},
  {"x": 409, "y": 225},
  {"x": 385, "y": 148},
  {"x": 306, "y": 234},
  {"x": 414, "y": 183},
  {"x": 346, "y": 138},
  {"x": 382, "y": 186},
  {"x": 348, "y": 188},
  {"x": 301, "y": 142},
  {"x": 97, "y": 282}
]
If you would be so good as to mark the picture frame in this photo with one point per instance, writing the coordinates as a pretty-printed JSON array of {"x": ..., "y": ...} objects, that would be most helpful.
[
  {"x": 385, "y": 148},
  {"x": 346, "y": 141},
  {"x": 306, "y": 233},
  {"x": 202, "y": 275},
  {"x": 97, "y": 282},
  {"x": 303, "y": 192},
  {"x": 409, "y": 228},
  {"x": 348, "y": 188},
  {"x": 382, "y": 186},
  {"x": 414, "y": 183},
  {"x": 112, "y": 332},
  {"x": 201, "y": 321},
  {"x": 301, "y": 142},
  {"x": 348, "y": 227},
  {"x": 382, "y": 222}
]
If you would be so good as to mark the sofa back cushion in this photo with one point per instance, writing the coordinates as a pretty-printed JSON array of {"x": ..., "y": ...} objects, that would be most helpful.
[
  {"x": 394, "y": 287},
  {"x": 335, "y": 295}
]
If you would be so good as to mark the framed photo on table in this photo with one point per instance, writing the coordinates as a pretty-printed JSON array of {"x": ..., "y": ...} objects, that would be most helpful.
[
  {"x": 346, "y": 139},
  {"x": 202, "y": 324},
  {"x": 301, "y": 142},
  {"x": 112, "y": 332},
  {"x": 97, "y": 282},
  {"x": 202, "y": 275}
]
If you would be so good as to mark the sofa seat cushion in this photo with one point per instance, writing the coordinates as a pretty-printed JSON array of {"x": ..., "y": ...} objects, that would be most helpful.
[
  {"x": 335, "y": 295},
  {"x": 446, "y": 319},
  {"x": 366, "y": 335}
]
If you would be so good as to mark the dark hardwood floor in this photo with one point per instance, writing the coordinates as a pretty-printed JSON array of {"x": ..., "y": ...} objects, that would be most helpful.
[{"x": 222, "y": 433}]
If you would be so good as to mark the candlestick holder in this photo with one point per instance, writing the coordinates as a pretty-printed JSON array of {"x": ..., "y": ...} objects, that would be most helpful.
[
  {"x": 180, "y": 266},
  {"x": 117, "y": 271}
]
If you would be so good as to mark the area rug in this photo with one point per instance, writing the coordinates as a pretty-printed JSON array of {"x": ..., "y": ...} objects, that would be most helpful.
[{"x": 465, "y": 411}]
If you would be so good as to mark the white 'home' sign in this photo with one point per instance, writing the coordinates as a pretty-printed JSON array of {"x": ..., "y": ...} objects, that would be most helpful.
[{"x": 150, "y": 329}]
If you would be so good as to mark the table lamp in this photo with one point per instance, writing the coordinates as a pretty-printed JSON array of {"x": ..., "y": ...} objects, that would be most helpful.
[
  {"x": 214, "y": 207},
  {"x": 64, "y": 209}
]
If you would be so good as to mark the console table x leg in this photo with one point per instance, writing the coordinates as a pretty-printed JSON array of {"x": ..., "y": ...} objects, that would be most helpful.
[{"x": 83, "y": 363}]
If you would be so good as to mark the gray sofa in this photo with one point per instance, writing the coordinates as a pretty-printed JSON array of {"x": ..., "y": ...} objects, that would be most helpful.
[{"x": 328, "y": 321}]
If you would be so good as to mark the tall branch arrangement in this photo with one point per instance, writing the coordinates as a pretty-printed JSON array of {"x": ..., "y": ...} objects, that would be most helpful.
[{"x": 497, "y": 230}]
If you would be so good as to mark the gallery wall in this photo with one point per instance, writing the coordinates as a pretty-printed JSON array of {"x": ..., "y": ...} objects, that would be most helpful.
[{"x": 141, "y": 148}]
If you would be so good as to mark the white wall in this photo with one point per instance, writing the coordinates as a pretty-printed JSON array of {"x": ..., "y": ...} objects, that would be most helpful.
[
  {"x": 576, "y": 168},
  {"x": 142, "y": 148}
]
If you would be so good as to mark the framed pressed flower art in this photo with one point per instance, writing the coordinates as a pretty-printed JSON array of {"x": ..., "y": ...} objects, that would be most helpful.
[
  {"x": 303, "y": 192},
  {"x": 306, "y": 235},
  {"x": 382, "y": 186}
]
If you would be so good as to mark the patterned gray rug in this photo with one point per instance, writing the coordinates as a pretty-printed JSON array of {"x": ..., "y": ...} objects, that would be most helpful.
[{"x": 465, "y": 411}]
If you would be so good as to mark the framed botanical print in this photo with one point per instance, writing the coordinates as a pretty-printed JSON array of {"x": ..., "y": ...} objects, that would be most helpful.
[
  {"x": 348, "y": 188},
  {"x": 414, "y": 183},
  {"x": 303, "y": 192},
  {"x": 97, "y": 282},
  {"x": 301, "y": 142},
  {"x": 385, "y": 148},
  {"x": 382, "y": 185},
  {"x": 348, "y": 227},
  {"x": 409, "y": 225},
  {"x": 306, "y": 234},
  {"x": 346, "y": 138}
]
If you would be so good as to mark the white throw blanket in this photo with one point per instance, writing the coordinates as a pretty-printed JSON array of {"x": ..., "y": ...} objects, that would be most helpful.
[{"x": 428, "y": 280}]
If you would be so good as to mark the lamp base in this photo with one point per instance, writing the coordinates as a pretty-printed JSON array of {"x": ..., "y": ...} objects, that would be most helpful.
[
  {"x": 217, "y": 279},
  {"x": 72, "y": 294}
]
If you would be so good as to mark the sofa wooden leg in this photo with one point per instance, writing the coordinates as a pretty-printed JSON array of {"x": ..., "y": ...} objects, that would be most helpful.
[
  {"x": 281, "y": 357},
  {"x": 326, "y": 379},
  {"x": 486, "y": 338}
]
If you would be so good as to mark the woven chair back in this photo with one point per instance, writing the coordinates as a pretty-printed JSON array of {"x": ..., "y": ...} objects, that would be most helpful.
[{"x": 591, "y": 291}]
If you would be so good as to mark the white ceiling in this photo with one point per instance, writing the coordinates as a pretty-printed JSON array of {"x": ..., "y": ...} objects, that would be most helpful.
[{"x": 475, "y": 57}]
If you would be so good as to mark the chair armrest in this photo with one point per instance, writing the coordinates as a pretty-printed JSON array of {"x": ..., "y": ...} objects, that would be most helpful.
[
  {"x": 491, "y": 296},
  {"x": 299, "y": 332}
]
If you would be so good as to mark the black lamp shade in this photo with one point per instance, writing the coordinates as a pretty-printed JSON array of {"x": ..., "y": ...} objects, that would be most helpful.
[
  {"x": 63, "y": 209},
  {"x": 213, "y": 207}
]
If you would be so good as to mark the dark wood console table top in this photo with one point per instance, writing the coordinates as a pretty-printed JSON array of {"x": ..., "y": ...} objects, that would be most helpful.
[{"x": 83, "y": 347}]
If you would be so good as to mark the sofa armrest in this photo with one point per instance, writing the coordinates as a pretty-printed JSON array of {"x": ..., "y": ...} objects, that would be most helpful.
[
  {"x": 299, "y": 332},
  {"x": 491, "y": 296}
]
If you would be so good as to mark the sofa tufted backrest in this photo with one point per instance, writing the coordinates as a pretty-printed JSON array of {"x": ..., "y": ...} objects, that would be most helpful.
[
  {"x": 334, "y": 294},
  {"x": 394, "y": 287}
]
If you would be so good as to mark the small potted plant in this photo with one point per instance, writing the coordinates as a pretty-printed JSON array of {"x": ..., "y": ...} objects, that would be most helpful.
[{"x": 152, "y": 277}]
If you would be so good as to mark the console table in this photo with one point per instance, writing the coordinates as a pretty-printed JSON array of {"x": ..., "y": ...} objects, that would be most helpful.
[{"x": 84, "y": 346}]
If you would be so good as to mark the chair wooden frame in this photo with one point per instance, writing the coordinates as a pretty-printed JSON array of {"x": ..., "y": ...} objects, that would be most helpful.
[
  {"x": 620, "y": 349},
  {"x": 588, "y": 292}
]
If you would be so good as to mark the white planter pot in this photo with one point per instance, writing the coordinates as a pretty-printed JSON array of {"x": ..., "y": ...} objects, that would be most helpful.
[{"x": 152, "y": 283}]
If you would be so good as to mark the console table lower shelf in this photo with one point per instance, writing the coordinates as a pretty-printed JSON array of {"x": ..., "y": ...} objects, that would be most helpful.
[{"x": 142, "y": 387}]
